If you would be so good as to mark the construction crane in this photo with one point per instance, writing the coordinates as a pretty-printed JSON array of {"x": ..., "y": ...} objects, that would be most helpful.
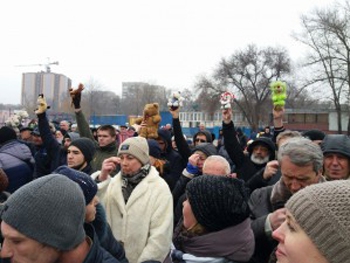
[{"x": 46, "y": 65}]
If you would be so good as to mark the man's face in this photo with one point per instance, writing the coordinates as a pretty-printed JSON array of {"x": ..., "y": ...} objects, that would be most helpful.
[
  {"x": 104, "y": 138},
  {"x": 64, "y": 125},
  {"x": 161, "y": 144},
  {"x": 75, "y": 158},
  {"x": 297, "y": 177},
  {"x": 90, "y": 214},
  {"x": 26, "y": 136},
  {"x": 201, "y": 138},
  {"x": 22, "y": 249},
  {"x": 37, "y": 140},
  {"x": 260, "y": 154},
  {"x": 336, "y": 166}
]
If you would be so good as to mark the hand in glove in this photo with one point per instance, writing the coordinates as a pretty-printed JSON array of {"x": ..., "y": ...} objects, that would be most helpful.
[{"x": 76, "y": 96}]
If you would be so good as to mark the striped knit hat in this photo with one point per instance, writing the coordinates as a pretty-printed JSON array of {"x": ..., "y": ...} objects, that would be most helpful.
[{"x": 323, "y": 212}]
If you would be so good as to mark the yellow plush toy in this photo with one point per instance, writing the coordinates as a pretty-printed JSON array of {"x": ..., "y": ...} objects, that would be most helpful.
[
  {"x": 279, "y": 93},
  {"x": 149, "y": 122},
  {"x": 41, "y": 105}
]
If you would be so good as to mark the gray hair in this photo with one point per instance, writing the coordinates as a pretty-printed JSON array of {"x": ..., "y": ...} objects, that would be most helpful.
[
  {"x": 287, "y": 134},
  {"x": 302, "y": 152},
  {"x": 220, "y": 161}
]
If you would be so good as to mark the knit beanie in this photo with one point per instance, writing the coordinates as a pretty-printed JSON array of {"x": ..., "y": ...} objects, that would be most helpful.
[
  {"x": 50, "y": 210},
  {"x": 218, "y": 202},
  {"x": 137, "y": 147},
  {"x": 336, "y": 143},
  {"x": 7, "y": 134},
  {"x": 86, "y": 183},
  {"x": 314, "y": 135},
  {"x": 86, "y": 146},
  {"x": 206, "y": 148},
  {"x": 154, "y": 149},
  {"x": 323, "y": 211}
]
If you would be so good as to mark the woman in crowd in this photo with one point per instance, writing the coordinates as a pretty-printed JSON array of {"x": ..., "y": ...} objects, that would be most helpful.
[
  {"x": 317, "y": 227},
  {"x": 216, "y": 225},
  {"x": 138, "y": 202}
]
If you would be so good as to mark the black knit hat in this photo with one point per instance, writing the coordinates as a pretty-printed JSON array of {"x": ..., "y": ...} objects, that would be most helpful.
[
  {"x": 86, "y": 146},
  {"x": 218, "y": 202},
  {"x": 314, "y": 135},
  {"x": 7, "y": 134},
  {"x": 154, "y": 149},
  {"x": 86, "y": 183},
  {"x": 336, "y": 143}
]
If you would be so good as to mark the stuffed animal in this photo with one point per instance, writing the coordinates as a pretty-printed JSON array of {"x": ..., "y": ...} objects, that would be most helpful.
[
  {"x": 42, "y": 105},
  {"x": 175, "y": 101},
  {"x": 226, "y": 99},
  {"x": 75, "y": 95},
  {"x": 279, "y": 94},
  {"x": 150, "y": 121}
]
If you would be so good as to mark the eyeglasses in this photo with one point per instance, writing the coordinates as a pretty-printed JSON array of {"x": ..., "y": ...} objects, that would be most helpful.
[{"x": 200, "y": 140}]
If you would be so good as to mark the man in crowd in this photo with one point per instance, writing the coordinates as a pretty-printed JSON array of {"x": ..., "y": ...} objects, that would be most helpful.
[
  {"x": 336, "y": 152},
  {"x": 301, "y": 164},
  {"x": 43, "y": 222}
]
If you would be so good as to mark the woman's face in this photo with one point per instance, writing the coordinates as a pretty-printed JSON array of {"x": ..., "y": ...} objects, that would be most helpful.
[
  {"x": 189, "y": 218},
  {"x": 295, "y": 246},
  {"x": 91, "y": 210},
  {"x": 129, "y": 164}
]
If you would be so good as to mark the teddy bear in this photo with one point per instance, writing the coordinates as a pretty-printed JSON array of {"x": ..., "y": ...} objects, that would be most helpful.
[
  {"x": 149, "y": 121},
  {"x": 41, "y": 105},
  {"x": 226, "y": 99},
  {"x": 175, "y": 101},
  {"x": 279, "y": 94}
]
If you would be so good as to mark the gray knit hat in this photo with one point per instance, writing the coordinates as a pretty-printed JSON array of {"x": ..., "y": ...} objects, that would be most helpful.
[
  {"x": 323, "y": 212},
  {"x": 50, "y": 210},
  {"x": 136, "y": 146}
]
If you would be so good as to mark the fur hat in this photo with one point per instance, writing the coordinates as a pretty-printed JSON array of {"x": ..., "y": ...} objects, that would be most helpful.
[
  {"x": 323, "y": 211},
  {"x": 50, "y": 210},
  {"x": 218, "y": 202},
  {"x": 86, "y": 183},
  {"x": 86, "y": 146},
  {"x": 7, "y": 134},
  {"x": 137, "y": 147}
]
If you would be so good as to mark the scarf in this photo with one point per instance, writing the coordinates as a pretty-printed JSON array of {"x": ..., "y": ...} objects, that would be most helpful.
[{"x": 131, "y": 181}]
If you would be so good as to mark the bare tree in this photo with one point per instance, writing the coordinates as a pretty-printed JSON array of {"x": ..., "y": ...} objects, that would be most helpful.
[
  {"x": 247, "y": 73},
  {"x": 326, "y": 32}
]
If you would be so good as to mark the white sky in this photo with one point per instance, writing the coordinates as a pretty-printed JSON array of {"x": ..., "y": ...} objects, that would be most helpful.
[{"x": 167, "y": 43}]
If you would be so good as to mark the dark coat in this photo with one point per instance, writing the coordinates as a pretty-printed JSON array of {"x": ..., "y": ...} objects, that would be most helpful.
[
  {"x": 176, "y": 163},
  {"x": 245, "y": 168},
  {"x": 97, "y": 254},
  {"x": 18, "y": 163},
  {"x": 105, "y": 235}
]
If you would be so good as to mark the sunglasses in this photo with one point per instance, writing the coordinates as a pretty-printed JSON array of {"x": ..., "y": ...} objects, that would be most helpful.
[{"x": 200, "y": 140}]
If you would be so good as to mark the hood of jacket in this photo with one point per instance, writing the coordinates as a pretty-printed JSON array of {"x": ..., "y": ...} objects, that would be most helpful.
[
  {"x": 206, "y": 133},
  {"x": 18, "y": 150},
  {"x": 265, "y": 142}
]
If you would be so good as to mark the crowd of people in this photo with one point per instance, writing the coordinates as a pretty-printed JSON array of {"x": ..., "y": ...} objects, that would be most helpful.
[{"x": 71, "y": 194}]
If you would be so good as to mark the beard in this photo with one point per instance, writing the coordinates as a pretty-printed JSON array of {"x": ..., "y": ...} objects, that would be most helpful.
[{"x": 259, "y": 160}]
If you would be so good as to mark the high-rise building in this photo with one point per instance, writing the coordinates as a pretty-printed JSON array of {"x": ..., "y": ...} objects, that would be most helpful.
[{"x": 54, "y": 87}]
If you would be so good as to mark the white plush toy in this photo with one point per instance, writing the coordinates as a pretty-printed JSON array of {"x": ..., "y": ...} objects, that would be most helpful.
[
  {"x": 226, "y": 99},
  {"x": 175, "y": 101}
]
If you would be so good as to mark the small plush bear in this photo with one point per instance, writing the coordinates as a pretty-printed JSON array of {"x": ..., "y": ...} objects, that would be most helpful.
[
  {"x": 41, "y": 105},
  {"x": 279, "y": 94},
  {"x": 226, "y": 99},
  {"x": 175, "y": 101},
  {"x": 149, "y": 122}
]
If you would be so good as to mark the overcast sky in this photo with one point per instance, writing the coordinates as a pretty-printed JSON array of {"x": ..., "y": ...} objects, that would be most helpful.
[{"x": 167, "y": 43}]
